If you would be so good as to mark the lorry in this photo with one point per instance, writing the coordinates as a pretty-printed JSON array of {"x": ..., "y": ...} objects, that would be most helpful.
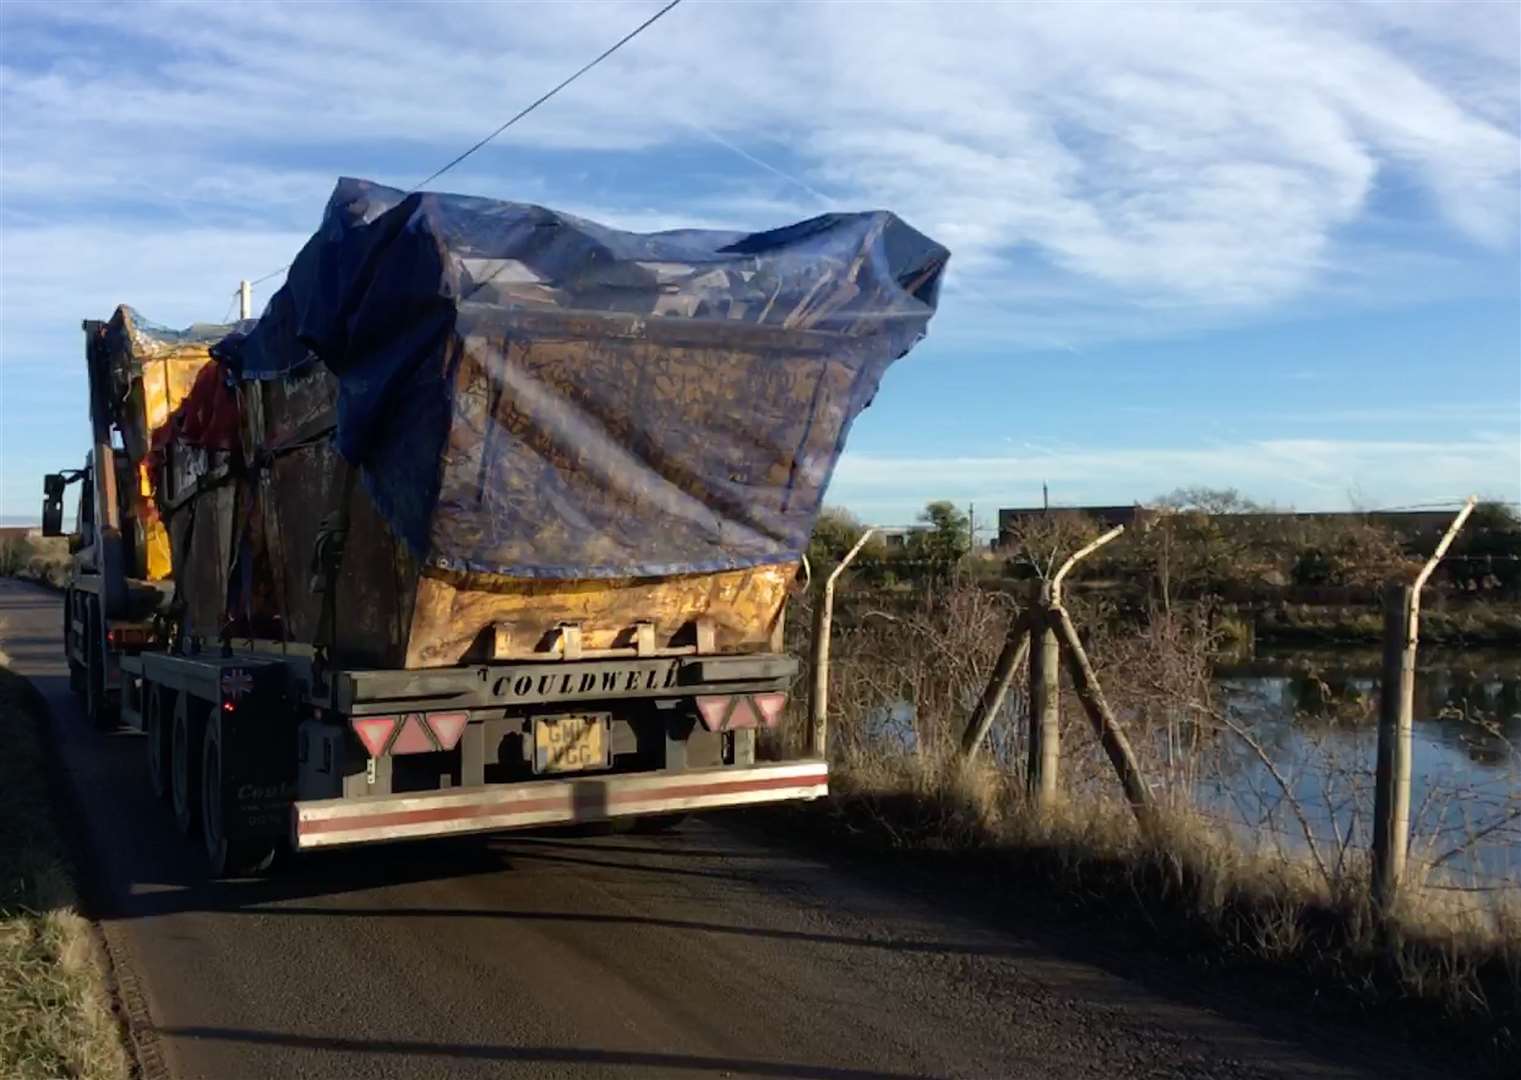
[{"x": 489, "y": 521}]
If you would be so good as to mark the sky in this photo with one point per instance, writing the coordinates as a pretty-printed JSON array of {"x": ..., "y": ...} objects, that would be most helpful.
[{"x": 1271, "y": 246}]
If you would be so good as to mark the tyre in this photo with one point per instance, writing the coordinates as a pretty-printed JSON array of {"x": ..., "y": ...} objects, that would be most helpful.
[
  {"x": 185, "y": 764},
  {"x": 225, "y": 858},
  {"x": 158, "y": 718}
]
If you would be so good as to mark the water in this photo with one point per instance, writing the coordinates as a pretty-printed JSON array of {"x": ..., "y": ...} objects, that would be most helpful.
[{"x": 1314, "y": 714}]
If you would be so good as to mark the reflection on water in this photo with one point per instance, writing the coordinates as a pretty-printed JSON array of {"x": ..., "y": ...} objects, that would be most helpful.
[{"x": 1315, "y": 713}]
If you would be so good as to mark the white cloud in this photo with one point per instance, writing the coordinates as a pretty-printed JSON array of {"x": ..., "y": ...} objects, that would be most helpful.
[
  {"x": 1172, "y": 153},
  {"x": 60, "y": 274},
  {"x": 1100, "y": 173}
]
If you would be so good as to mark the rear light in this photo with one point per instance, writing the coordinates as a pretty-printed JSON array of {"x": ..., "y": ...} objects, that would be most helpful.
[
  {"x": 375, "y": 732},
  {"x": 447, "y": 727},
  {"x": 726, "y": 713},
  {"x": 413, "y": 733},
  {"x": 413, "y": 738},
  {"x": 127, "y": 637},
  {"x": 714, "y": 712},
  {"x": 770, "y": 706}
]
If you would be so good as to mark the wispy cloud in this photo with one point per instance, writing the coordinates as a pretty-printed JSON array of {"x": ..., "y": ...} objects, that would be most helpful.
[
  {"x": 1173, "y": 153},
  {"x": 1100, "y": 173}
]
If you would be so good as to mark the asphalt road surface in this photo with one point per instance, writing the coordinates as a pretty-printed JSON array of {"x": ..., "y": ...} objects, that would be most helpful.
[{"x": 717, "y": 950}]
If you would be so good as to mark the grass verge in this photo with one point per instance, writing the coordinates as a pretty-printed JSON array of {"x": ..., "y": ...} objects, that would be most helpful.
[
  {"x": 1444, "y": 971},
  {"x": 55, "y": 1013}
]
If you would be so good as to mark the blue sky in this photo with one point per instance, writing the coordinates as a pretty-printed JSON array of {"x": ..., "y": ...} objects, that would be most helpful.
[{"x": 1269, "y": 246}]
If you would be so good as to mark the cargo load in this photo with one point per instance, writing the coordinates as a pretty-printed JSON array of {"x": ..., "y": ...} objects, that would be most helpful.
[
  {"x": 151, "y": 370},
  {"x": 488, "y": 522},
  {"x": 468, "y": 430}
]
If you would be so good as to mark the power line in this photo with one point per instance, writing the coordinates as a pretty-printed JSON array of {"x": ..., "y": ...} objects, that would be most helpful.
[
  {"x": 624, "y": 40},
  {"x": 530, "y": 107}
]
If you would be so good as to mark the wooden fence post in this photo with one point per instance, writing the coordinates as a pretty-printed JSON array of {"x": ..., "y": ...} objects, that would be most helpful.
[
  {"x": 1045, "y": 708},
  {"x": 1396, "y": 713},
  {"x": 1391, "y": 789},
  {"x": 1111, "y": 735},
  {"x": 1015, "y": 646},
  {"x": 823, "y": 618}
]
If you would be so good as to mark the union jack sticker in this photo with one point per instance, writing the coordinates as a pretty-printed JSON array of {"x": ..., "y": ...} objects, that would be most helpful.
[{"x": 235, "y": 683}]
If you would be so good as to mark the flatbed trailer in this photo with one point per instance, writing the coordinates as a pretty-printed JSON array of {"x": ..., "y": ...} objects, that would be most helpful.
[
  {"x": 255, "y": 750},
  {"x": 490, "y": 521}
]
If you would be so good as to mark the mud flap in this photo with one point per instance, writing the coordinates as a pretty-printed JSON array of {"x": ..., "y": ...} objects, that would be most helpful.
[{"x": 258, "y": 726}]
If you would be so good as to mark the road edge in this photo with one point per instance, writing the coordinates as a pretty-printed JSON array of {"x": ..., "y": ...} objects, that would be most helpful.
[{"x": 128, "y": 1004}]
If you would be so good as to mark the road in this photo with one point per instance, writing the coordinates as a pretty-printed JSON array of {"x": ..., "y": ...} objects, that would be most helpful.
[{"x": 716, "y": 950}]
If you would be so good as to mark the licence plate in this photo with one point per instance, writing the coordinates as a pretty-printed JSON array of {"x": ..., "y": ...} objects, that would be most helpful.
[{"x": 569, "y": 743}]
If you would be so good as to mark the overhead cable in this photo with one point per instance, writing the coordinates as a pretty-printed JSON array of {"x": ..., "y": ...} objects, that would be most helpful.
[
  {"x": 624, "y": 40},
  {"x": 530, "y": 107}
]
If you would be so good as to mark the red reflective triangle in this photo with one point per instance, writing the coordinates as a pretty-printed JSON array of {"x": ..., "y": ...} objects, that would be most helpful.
[
  {"x": 714, "y": 711},
  {"x": 770, "y": 706},
  {"x": 744, "y": 714},
  {"x": 447, "y": 727},
  {"x": 413, "y": 737},
  {"x": 374, "y": 732}
]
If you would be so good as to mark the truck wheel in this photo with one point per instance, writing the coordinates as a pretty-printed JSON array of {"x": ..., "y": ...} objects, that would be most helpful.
[
  {"x": 226, "y": 858},
  {"x": 158, "y": 719},
  {"x": 185, "y": 770}
]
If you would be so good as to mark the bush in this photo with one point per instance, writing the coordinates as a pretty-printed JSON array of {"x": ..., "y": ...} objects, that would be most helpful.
[
  {"x": 15, "y": 553},
  {"x": 907, "y": 670},
  {"x": 1353, "y": 554}
]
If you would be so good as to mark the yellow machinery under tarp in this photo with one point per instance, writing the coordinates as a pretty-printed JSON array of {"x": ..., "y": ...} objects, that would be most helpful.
[{"x": 152, "y": 370}]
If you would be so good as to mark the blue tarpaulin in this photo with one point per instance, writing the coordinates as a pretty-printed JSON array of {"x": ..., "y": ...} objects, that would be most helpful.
[{"x": 530, "y": 394}]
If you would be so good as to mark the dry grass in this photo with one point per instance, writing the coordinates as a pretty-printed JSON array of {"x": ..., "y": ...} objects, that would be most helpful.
[
  {"x": 1265, "y": 894},
  {"x": 1447, "y": 952},
  {"x": 55, "y": 1014},
  {"x": 45, "y": 560}
]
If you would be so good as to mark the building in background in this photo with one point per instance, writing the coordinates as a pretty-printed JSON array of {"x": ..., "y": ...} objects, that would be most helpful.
[
  {"x": 896, "y": 537},
  {"x": 1414, "y": 525}
]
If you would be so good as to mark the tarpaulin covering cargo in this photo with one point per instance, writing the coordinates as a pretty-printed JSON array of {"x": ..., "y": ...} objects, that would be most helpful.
[
  {"x": 572, "y": 441},
  {"x": 531, "y": 395}
]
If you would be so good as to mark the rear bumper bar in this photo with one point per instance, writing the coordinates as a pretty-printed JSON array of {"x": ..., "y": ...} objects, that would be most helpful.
[{"x": 334, "y": 822}]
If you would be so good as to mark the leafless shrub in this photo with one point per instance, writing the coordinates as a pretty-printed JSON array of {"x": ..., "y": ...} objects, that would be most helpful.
[
  {"x": 1038, "y": 543},
  {"x": 1255, "y": 828}
]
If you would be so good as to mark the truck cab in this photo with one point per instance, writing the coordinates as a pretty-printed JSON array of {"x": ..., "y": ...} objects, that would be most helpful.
[{"x": 110, "y": 600}]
